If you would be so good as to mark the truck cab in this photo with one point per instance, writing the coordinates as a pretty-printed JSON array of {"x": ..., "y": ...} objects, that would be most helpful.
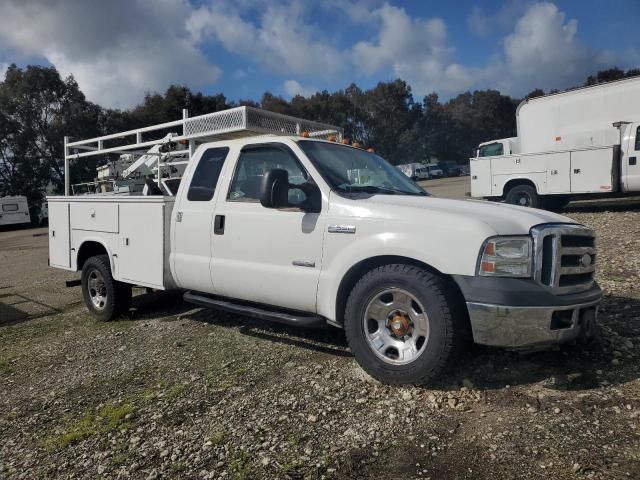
[
  {"x": 313, "y": 232},
  {"x": 494, "y": 148}
]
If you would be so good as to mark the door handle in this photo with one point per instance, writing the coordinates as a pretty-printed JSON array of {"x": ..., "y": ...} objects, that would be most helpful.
[
  {"x": 218, "y": 225},
  {"x": 632, "y": 160}
]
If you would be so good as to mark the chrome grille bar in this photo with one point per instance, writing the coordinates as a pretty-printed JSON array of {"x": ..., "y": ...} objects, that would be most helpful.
[{"x": 564, "y": 257}]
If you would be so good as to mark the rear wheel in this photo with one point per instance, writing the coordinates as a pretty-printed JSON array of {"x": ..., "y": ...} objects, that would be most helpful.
[
  {"x": 401, "y": 326},
  {"x": 105, "y": 297},
  {"x": 523, "y": 196}
]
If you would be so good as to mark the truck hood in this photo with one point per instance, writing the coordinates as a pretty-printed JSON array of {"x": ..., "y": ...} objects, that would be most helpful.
[{"x": 504, "y": 219}]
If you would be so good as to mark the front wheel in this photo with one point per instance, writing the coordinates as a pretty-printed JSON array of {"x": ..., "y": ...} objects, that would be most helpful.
[
  {"x": 401, "y": 325},
  {"x": 105, "y": 297},
  {"x": 523, "y": 196}
]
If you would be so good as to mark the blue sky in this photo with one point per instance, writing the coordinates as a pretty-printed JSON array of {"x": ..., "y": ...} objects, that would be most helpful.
[{"x": 119, "y": 50}]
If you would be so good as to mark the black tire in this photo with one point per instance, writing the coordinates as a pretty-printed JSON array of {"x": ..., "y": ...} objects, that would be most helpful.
[
  {"x": 446, "y": 324},
  {"x": 523, "y": 196},
  {"x": 105, "y": 297},
  {"x": 556, "y": 202}
]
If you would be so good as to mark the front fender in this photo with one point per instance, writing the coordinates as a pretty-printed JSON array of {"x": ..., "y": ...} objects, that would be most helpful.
[{"x": 454, "y": 255}]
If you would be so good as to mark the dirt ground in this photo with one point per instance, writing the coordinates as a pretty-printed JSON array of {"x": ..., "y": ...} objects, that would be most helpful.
[{"x": 172, "y": 391}]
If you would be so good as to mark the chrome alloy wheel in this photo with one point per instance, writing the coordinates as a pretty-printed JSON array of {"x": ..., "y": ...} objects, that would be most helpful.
[
  {"x": 97, "y": 289},
  {"x": 396, "y": 326}
]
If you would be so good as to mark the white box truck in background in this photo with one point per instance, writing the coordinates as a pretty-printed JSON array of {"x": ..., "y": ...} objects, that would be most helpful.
[
  {"x": 570, "y": 145},
  {"x": 14, "y": 211}
]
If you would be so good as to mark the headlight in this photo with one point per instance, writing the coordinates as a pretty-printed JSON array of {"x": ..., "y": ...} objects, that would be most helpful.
[{"x": 506, "y": 257}]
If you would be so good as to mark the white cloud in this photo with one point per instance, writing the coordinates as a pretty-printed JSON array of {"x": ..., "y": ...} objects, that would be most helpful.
[
  {"x": 283, "y": 40},
  {"x": 481, "y": 23},
  {"x": 293, "y": 88},
  {"x": 416, "y": 50},
  {"x": 116, "y": 50},
  {"x": 541, "y": 48},
  {"x": 544, "y": 51}
]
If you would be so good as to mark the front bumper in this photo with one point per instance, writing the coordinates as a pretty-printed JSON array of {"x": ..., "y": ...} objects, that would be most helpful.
[
  {"x": 517, "y": 313},
  {"x": 526, "y": 327}
]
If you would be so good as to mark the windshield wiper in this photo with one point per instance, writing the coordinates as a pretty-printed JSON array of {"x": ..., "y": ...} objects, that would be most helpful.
[{"x": 375, "y": 189}]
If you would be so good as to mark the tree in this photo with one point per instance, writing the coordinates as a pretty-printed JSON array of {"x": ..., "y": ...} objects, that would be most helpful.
[{"x": 37, "y": 108}]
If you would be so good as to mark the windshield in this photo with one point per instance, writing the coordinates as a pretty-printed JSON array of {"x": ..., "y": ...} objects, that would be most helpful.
[{"x": 350, "y": 170}]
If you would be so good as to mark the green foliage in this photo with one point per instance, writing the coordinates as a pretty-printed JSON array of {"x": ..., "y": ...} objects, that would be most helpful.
[{"x": 106, "y": 419}]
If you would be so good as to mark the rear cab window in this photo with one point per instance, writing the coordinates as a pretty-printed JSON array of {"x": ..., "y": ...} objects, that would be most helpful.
[
  {"x": 491, "y": 150},
  {"x": 205, "y": 178}
]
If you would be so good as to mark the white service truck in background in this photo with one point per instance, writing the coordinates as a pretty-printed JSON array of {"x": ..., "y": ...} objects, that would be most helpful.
[
  {"x": 581, "y": 143},
  {"x": 276, "y": 218},
  {"x": 14, "y": 210}
]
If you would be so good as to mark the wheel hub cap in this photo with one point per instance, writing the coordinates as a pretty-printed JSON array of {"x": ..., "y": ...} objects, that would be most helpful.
[
  {"x": 396, "y": 326},
  {"x": 97, "y": 289}
]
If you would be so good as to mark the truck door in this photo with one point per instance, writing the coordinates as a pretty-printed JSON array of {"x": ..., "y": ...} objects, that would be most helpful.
[
  {"x": 193, "y": 222},
  {"x": 630, "y": 168},
  {"x": 260, "y": 254}
]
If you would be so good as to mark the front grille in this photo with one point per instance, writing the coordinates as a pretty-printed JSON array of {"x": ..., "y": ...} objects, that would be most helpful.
[{"x": 565, "y": 257}]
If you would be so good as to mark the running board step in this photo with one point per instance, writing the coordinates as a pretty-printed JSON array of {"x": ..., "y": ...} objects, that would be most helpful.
[{"x": 262, "y": 312}]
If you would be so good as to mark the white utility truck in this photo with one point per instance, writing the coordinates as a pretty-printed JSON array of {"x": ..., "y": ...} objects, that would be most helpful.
[
  {"x": 275, "y": 217},
  {"x": 14, "y": 210},
  {"x": 575, "y": 144}
]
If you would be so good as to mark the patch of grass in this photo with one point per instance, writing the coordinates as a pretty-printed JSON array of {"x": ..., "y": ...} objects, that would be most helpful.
[
  {"x": 177, "y": 467},
  {"x": 241, "y": 465},
  {"x": 294, "y": 440},
  {"x": 108, "y": 418},
  {"x": 290, "y": 467},
  {"x": 5, "y": 366},
  {"x": 217, "y": 438},
  {"x": 175, "y": 391}
]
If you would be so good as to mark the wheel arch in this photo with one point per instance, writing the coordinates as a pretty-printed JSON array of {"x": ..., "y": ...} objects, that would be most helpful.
[
  {"x": 90, "y": 248},
  {"x": 514, "y": 182},
  {"x": 355, "y": 273}
]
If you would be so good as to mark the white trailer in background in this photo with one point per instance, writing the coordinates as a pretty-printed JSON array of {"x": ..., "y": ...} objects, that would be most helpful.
[
  {"x": 14, "y": 211},
  {"x": 570, "y": 145}
]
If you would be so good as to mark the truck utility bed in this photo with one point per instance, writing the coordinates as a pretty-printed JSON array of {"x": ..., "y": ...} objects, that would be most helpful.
[
  {"x": 134, "y": 228},
  {"x": 586, "y": 170}
]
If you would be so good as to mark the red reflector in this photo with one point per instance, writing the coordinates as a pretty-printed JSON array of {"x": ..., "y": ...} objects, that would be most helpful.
[{"x": 558, "y": 139}]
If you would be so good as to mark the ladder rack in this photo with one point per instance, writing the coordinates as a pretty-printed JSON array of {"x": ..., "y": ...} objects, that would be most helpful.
[{"x": 227, "y": 124}]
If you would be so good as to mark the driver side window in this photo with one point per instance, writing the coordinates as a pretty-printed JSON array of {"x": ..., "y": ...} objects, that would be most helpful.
[{"x": 252, "y": 165}]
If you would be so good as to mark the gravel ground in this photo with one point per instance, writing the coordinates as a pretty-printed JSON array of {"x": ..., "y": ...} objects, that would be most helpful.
[{"x": 173, "y": 391}]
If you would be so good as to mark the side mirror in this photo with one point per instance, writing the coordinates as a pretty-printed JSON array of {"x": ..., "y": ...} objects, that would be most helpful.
[
  {"x": 275, "y": 187},
  {"x": 274, "y": 190}
]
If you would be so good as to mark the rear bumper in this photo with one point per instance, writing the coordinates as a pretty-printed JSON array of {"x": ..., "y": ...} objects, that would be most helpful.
[{"x": 517, "y": 313}]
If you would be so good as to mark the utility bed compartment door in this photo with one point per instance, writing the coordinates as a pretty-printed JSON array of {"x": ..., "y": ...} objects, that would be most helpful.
[
  {"x": 140, "y": 250},
  {"x": 59, "y": 235},
  {"x": 95, "y": 216},
  {"x": 480, "y": 177},
  {"x": 592, "y": 170}
]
